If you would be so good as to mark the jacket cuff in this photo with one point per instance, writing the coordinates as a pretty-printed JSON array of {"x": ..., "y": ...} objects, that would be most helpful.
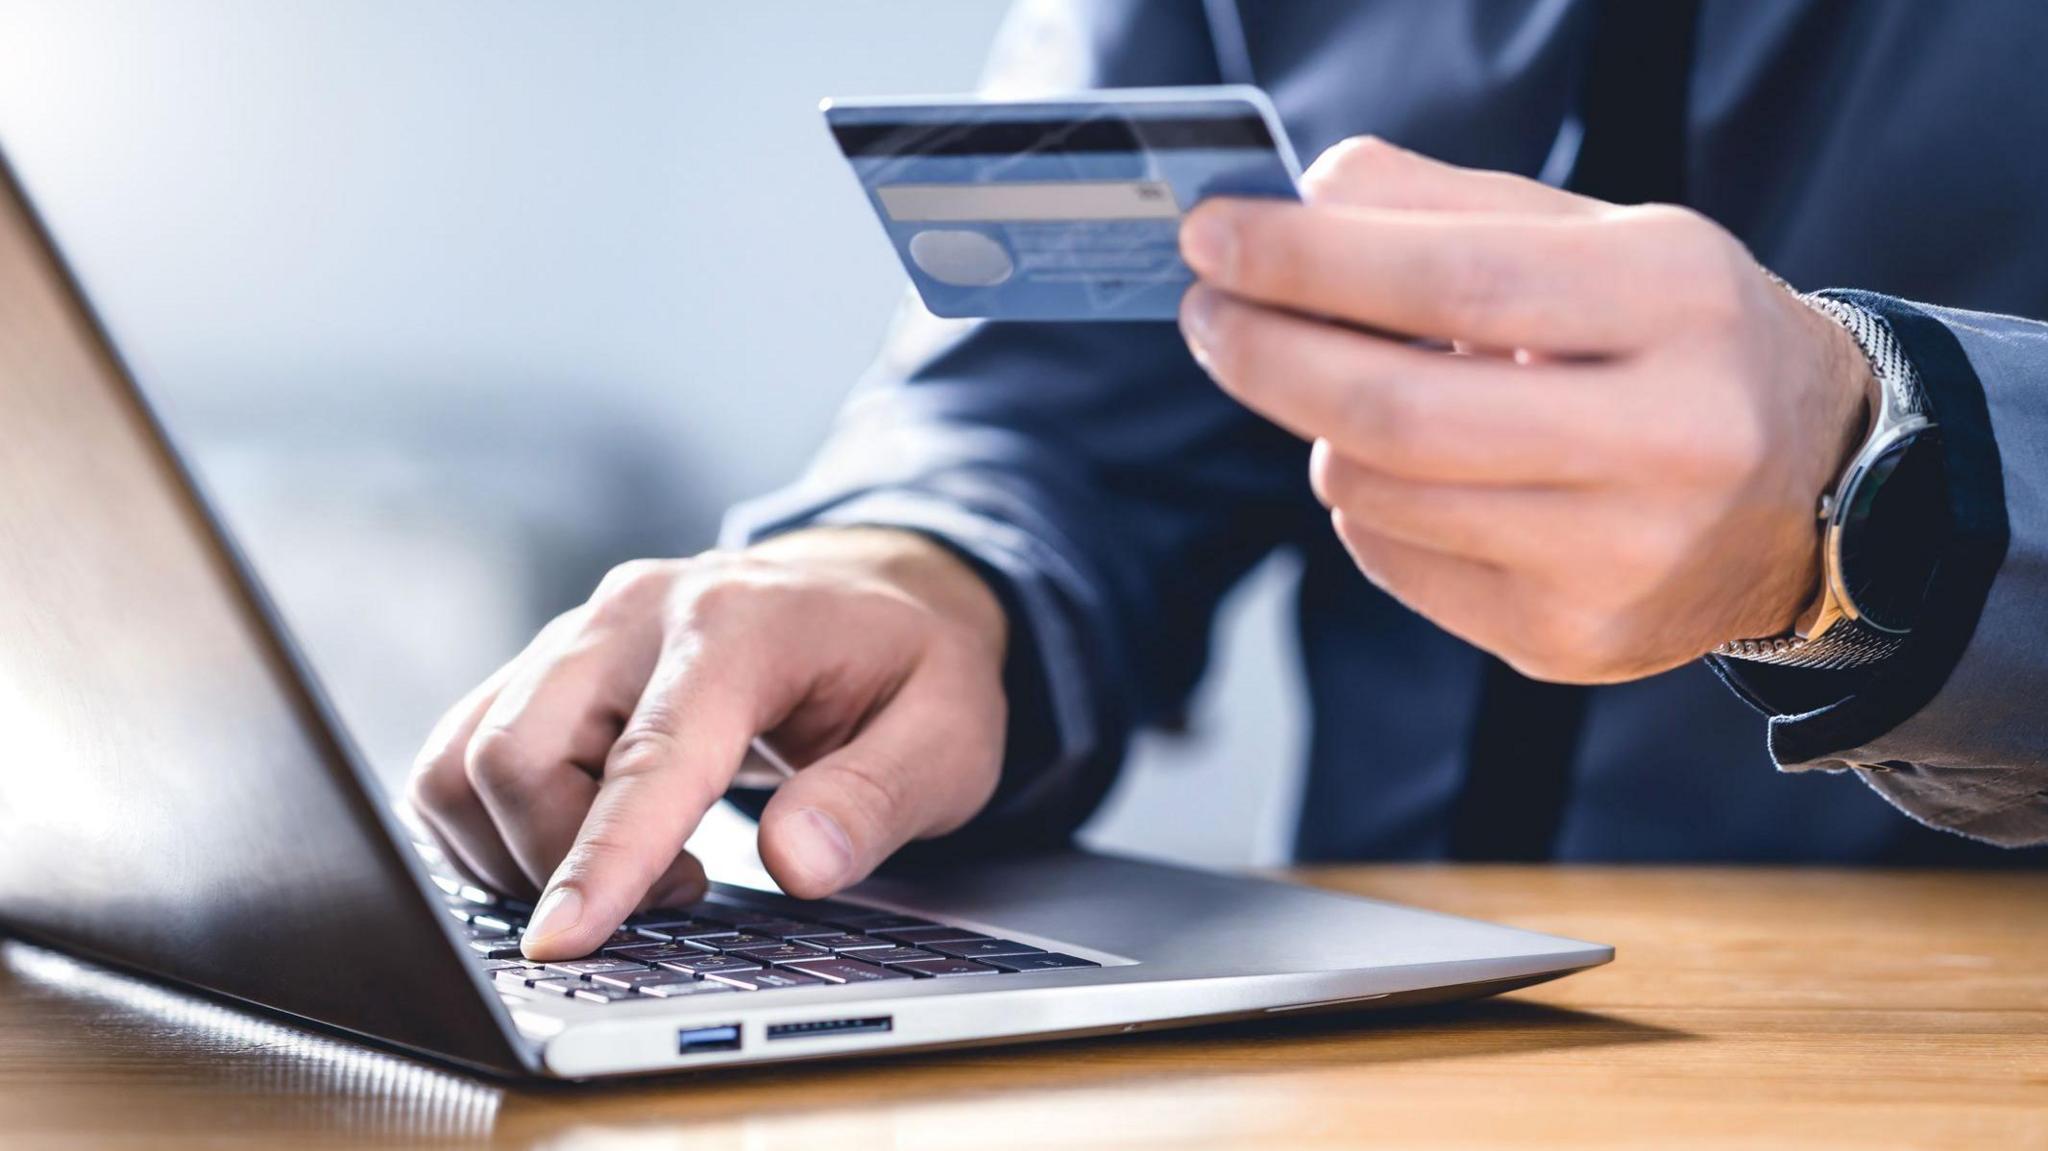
[{"x": 1817, "y": 716}]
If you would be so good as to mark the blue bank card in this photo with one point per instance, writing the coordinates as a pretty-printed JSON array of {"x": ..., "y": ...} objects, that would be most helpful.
[{"x": 1059, "y": 209}]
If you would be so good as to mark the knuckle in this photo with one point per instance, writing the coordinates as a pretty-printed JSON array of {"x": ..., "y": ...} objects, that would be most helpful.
[
  {"x": 497, "y": 761},
  {"x": 721, "y": 598},
  {"x": 1708, "y": 269},
  {"x": 1351, "y": 161},
  {"x": 437, "y": 784},
  {"x": 642, "y": 750},
  {"x": 874, "y": 787},
  {"x": 627, "y": 594},
  {"x": 632, "y": 579}
]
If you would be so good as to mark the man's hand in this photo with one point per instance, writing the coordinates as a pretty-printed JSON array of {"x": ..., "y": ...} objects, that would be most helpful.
[
  {"x": 874, "y": 658},
  {"x": 1618, "y": 468}
]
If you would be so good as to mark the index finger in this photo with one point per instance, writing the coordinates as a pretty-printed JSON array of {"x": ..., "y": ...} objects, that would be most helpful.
[
  {"x": 672, "y": 761},
  {"x": 1572, "y": 285}
]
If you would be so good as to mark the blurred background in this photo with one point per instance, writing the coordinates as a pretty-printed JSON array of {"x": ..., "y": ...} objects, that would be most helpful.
[{"x": 455, "y": 306}]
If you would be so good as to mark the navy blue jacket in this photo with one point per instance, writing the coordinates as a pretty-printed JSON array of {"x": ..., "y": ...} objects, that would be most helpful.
[{"x": 1113, "y": 495}]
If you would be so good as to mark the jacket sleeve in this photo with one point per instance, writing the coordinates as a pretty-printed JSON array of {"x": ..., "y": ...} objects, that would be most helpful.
[
  {"x": 1106, "y": 490},
  {"x": 1953, "y": 729}
]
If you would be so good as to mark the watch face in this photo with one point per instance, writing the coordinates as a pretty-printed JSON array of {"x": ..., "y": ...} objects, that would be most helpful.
[{"x": 1891, "y": 531}]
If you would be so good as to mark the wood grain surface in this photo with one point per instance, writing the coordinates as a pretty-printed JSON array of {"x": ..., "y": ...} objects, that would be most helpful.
[{"x": 1747, "y": 1007}]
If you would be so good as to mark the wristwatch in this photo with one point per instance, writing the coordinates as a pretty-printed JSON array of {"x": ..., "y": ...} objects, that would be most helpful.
[{"x": 1882, "y": 525}]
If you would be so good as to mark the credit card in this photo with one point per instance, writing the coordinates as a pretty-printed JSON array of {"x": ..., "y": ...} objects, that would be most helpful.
[{"x": 1059, "y": 209}]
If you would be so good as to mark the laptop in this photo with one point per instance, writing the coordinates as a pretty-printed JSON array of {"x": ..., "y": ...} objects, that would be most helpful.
[{"x": 178, "y": 800}]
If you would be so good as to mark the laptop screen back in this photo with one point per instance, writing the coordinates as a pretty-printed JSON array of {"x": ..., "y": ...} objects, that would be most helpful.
[{"x": 172, "y": 797}]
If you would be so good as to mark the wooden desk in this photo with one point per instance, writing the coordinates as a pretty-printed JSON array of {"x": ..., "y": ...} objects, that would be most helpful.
[{"x": 1763, "y": 1007}]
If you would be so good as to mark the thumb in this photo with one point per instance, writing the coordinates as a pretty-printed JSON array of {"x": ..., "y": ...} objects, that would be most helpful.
[{"x": 923, "y": 766}]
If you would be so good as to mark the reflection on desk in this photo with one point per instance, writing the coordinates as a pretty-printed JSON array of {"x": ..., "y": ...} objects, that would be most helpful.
[
  {"x": 278, "y": 1077},
  {"x": 1780, "y": 1007}
]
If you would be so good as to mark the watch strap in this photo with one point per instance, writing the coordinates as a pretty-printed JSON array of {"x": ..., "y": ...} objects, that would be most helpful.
[
  {"x": 1847, "y": 644},
  {"x": 1898, "y": 380}
]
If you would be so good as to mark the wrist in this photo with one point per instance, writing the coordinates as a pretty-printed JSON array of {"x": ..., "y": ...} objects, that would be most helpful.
[
  {"x": 1880, "y": 515},
  {"x": 1847, "y": 399}
]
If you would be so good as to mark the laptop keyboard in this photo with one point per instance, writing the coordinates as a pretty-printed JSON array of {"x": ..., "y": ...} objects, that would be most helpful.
[{"x": 738, "y": 939}]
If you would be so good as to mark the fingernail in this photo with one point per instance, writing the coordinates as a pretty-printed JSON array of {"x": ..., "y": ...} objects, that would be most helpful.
[
  {"x": 1197, "y": 320},
  {"x": 1208, "y": 242},
  {"x": 560, "y": 910},
  {"x": 821, "y": 849}
]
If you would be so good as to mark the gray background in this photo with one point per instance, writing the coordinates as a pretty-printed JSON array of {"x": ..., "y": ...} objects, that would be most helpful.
[{"x": 456, "y": 305}]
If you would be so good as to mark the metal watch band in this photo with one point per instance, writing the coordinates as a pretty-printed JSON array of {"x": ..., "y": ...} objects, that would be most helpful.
[
  {"x": 1896, "y": 375},
  {"x": 1848, "y": 643}
]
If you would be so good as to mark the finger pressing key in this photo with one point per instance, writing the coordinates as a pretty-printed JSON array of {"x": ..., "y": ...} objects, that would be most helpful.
[{"x": 671, "y": 763}]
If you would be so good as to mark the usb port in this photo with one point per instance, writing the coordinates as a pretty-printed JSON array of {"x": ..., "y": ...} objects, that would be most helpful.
[
  {"x": 830, "y": 1027},
  {"x": 724, "y": 1037}
]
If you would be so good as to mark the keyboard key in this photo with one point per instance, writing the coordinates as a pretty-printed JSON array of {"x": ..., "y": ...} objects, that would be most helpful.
[
  {"x": 783, "y": 928},
  {"x": 735, "y": 941},
  {"x": 681, "y": 928},
  {"x": 641, "y": 977},
  {"x": 778, "y": 903},
  {"x": 646, "y": 952},
  {"x": 765, "y": 980},
  {"x": 876, "y": 921},
  {"x": 897, "y": 954},
  {"x": 813, "y": 931},
  {"x": 519, "y": 975},
  {"x": 682, "y": 988},
  {"x": 662, "y": 915},
  {"x": 841, "y": 941},
  {"x": 703, "y": 963},
  {"x": 585, "y": 968},
  {"x": 495, "y": 948},
  {"x": 718, "y": 912},
  {"x": 919, "y": 936},
  {"x": 555, "y": 986},
  {"x": 940, "y": 968},
  {"x": 779, "y": 953},
  {"x": 593, "y": 993},
  {"x": 847, "y": 971},
  {"x": 485, "y": 921},
  {"x": 1043, "y": 961},
  {"x": 981, "y": 948}
]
